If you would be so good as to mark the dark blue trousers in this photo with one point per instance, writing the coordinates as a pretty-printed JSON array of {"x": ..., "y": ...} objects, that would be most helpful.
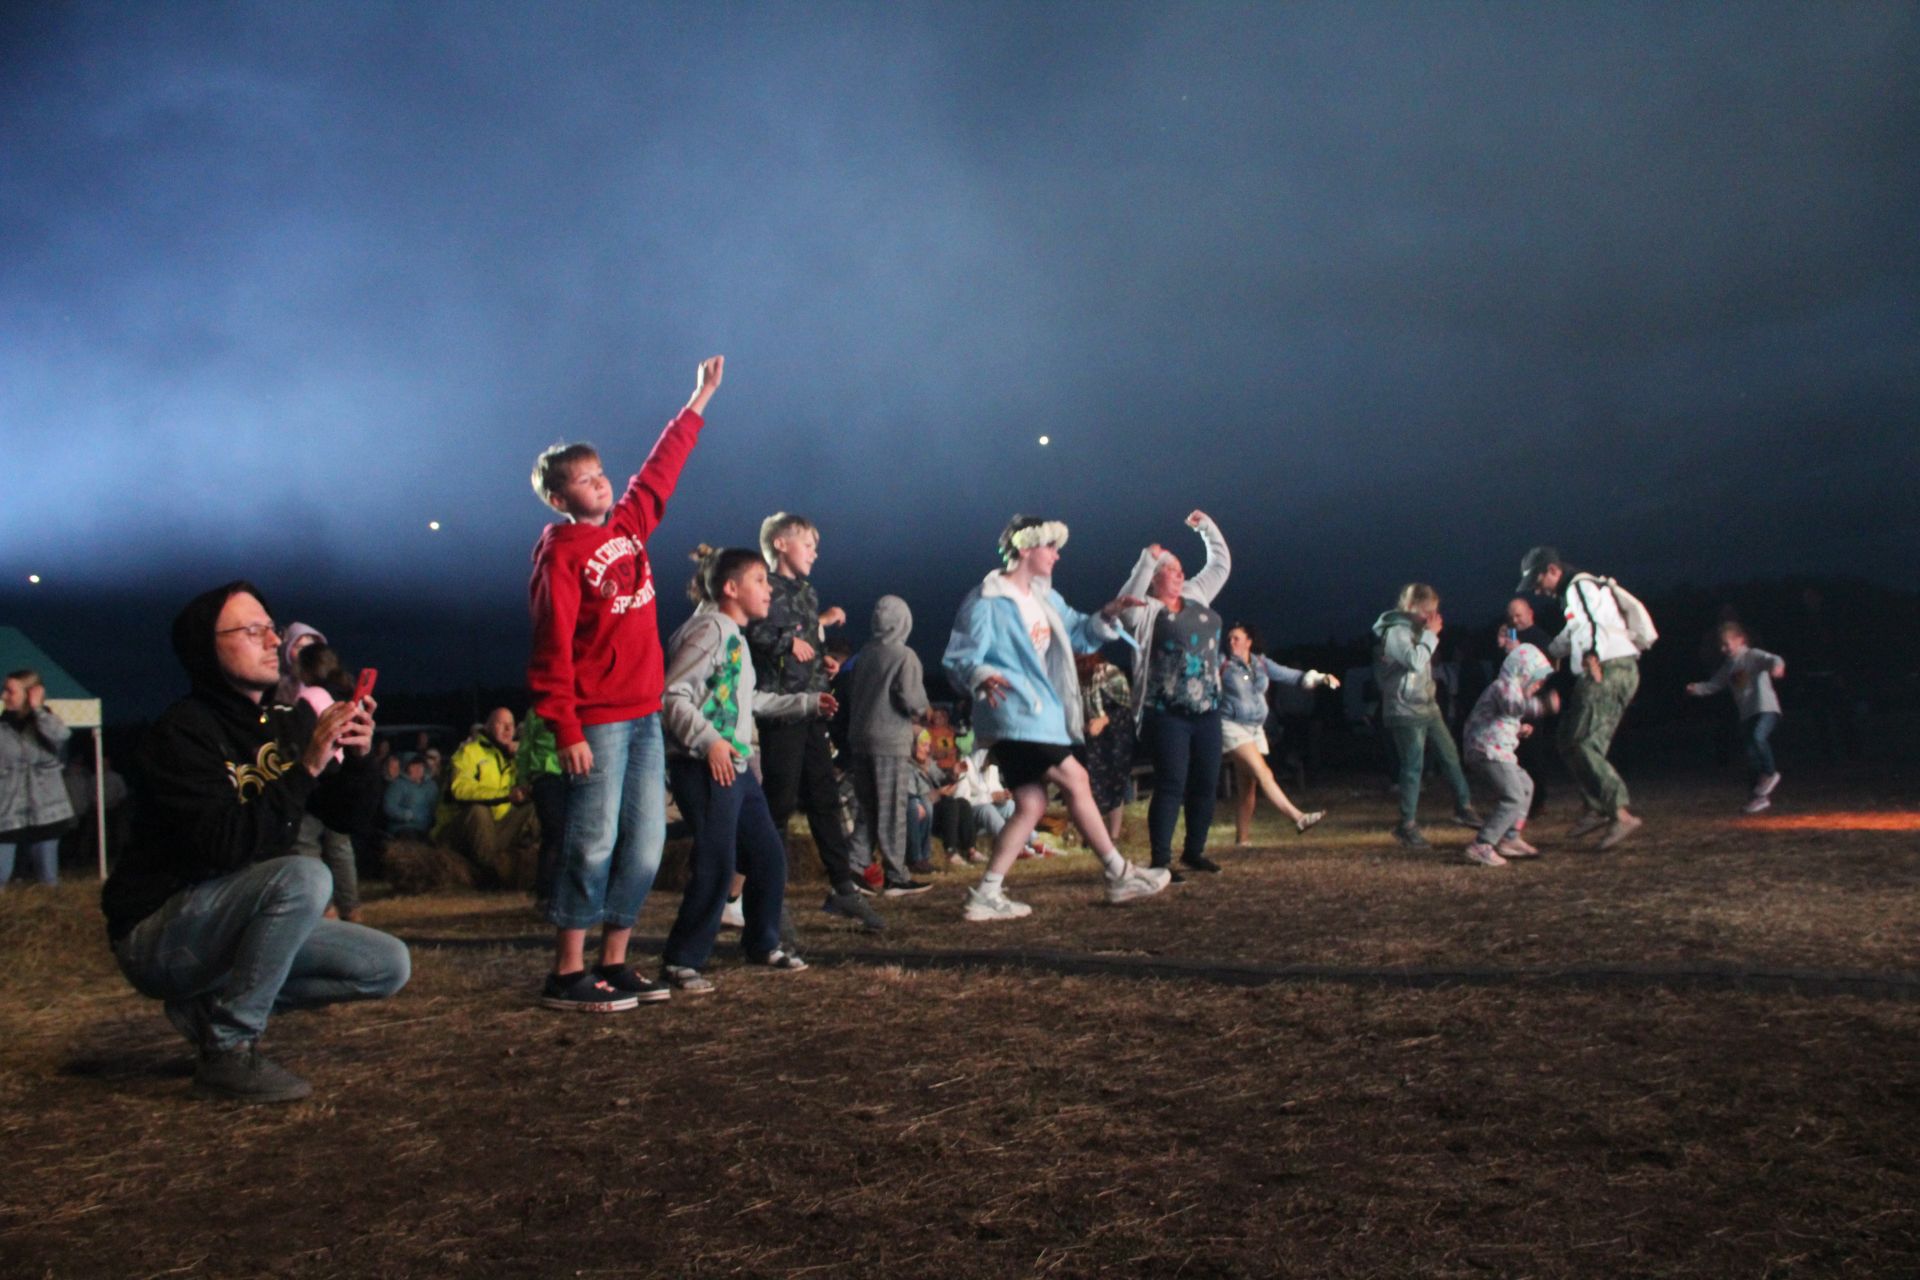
[
  {"x": 732, "y": 826},
  {"x": 1186, "y": 775}
]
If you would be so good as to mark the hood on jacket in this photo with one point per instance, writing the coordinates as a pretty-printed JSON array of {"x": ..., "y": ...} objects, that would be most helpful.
[
  {"x": 892, "y": 620},
  {"x": 290, "y": 683},
  {"x": 1526, "y": 664},
  {"x": 1396, "y": 618},
  {"x": 193, "y": 634},
  {"x": 290, "y": 644}
]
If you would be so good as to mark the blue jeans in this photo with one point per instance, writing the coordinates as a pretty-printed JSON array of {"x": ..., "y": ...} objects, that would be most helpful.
[
  {"x": 732, "y": 828},
  {"x": 43, "y": 859},
  {"x": 226, "y": 953},
  {"x": 1186, "y": 774},
  {"x": 616, "y": 827},
  {"x": 1760, "y": 729},
  {"x": 919, "y": 832},
  {"x": 1411, "y": 738}
]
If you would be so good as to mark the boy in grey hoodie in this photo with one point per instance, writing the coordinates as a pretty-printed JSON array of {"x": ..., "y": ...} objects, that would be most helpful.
[
  {"x": 1403, "y": 667},
  {"x": 708, "y": 708},
  {"x": 1750, "y": 673},
  {"x": 887, "y": 697}
]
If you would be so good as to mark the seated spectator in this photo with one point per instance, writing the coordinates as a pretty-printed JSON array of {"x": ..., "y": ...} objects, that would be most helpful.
[
  {"x": 409, "y": 801},
  {"x": 435, "y": 762},
  {"x": 987, "y": 799},
  {"x": 487, "y": 816},
  {"x": 928, "y": 788}
]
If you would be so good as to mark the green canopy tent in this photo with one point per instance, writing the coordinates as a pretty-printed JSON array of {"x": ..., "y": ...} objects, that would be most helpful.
[{"x": 67, "y": 699}]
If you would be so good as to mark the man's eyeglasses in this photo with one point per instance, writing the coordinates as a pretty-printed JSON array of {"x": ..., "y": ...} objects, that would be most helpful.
[{"x": 255, "y": 631}]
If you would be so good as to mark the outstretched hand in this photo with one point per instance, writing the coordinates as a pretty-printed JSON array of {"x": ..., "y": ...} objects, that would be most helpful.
[
  {"x": 706, "y": 381},
  {"x": 1119, "y": 605}
]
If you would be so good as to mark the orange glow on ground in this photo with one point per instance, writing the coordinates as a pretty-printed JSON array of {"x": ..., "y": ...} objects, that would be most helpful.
[{"x": 1865, "y": 820}]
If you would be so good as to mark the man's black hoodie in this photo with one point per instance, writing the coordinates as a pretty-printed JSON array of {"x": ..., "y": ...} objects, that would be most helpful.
[{"x": 223, "y": 782}]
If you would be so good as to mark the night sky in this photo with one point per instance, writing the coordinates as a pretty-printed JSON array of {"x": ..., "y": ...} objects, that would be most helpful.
[{"x": 1394, "y": 291}]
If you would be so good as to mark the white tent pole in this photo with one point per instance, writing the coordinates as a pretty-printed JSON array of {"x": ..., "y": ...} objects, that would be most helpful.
[{"x": 100, "y": 797}]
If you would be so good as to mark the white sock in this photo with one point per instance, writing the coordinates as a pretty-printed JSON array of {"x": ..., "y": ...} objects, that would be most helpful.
[
  {"x": 1113, "y": 862},
  {"x": 990, "y": 883}
]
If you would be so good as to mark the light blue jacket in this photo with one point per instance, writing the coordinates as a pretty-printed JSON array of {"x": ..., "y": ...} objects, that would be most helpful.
[
  {"x": 1243, "y": 687},
  {"x": 990, "y": 639}
]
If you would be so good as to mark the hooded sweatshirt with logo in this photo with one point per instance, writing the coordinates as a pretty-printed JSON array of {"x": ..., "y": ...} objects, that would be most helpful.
[
  {"x": 1492, "y": 731},
  {"x": 596, "y": 642},
  {"x": 222, "y": 782},
  {"x": 712, "y": 689},
  {"x": 1403, "y": 666},
  {"x": 889, "y": 687}
]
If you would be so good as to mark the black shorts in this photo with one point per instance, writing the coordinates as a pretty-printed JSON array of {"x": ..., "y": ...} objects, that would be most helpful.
[{"x": 1023, "y": 764}]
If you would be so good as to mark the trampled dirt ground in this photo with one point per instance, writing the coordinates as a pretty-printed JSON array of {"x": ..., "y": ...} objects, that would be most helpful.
[{"x": 1697, "y": 1055}]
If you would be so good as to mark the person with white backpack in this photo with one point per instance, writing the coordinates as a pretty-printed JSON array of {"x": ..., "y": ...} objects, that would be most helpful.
[{"x": 1606, "y": 631}]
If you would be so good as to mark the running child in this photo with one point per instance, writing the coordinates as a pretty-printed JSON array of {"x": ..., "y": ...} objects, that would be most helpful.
[
  {"x": 596, "y": 676},
  {"x": 1012, "y": 649},
  {"x": 1750, "y": 673}
]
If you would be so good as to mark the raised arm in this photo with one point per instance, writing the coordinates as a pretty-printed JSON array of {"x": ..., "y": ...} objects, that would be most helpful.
[{"x": 1206, "y": 584}]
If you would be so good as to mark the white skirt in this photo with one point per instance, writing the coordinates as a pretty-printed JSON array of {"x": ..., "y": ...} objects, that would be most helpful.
[{"x": 1234, "y": 735}]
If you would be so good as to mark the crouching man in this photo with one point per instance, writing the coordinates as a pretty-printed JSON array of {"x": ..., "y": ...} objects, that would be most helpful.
[{"x": 209, "y": 910}]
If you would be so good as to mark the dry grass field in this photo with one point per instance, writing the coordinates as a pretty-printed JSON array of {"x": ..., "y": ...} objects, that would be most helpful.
[{"x": 1698, "y": 1055}]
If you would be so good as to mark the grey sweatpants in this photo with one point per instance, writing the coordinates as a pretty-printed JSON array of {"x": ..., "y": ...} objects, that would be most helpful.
[
  {"x": 335, "y": 848},
  {"x": 880, "y": 784},
  {"x": 1513, "y": 792}
]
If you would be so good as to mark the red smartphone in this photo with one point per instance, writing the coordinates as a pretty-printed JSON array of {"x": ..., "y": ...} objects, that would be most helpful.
[{"x": 363, "y": 687}]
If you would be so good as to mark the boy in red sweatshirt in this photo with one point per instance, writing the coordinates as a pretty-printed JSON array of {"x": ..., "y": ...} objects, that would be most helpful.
[{"x": 596, "y": 676}]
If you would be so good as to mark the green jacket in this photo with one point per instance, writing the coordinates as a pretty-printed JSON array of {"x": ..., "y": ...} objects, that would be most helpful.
[{"x": 539, "y": 754}]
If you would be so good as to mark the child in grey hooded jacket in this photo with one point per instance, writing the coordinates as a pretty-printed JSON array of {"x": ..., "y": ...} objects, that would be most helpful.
[
  {"x": 1492, "y": 739},
  {"x": 887, "y": 697},
  {"x": 1750, "y": 673}
]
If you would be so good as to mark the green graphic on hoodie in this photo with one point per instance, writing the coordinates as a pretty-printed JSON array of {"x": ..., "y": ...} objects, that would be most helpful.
[{"x": 722, "y": 706}]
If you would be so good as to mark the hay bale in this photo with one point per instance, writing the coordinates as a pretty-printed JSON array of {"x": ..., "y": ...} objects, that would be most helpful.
[{"x": 413, "y": 867}]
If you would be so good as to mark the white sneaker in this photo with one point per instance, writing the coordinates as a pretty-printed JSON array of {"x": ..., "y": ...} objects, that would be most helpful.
[
  {"x": 1514, "y": 847},
  {"x": 1765, "y": 786},
  {"x": 1308, "y": 819},
  {"x": 1758, "y": 804},
  {"x": 732, "y": 916},
  {"x": 985, "y": 904},
  {"x": 1135, "y": 882},
  {"x": 1485, "y": 855}
]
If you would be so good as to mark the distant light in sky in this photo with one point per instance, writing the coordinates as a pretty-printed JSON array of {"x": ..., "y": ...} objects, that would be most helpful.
[
  {"x": 1046, "y": 440},
  {"x": 33, "y": 578},
  {"x": 433, "y": 524}
]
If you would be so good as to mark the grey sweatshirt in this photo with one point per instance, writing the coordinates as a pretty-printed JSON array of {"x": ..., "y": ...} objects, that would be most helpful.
[
  {"x": 888, "y": 687},
  {"x": 1750, "y": 676},
  {"x": 710, "y": 693},
  {"x": 1403, "y": 666}
]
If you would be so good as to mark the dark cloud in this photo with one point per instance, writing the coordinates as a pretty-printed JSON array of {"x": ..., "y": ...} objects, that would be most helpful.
[{"x": 1394, "y": 291}]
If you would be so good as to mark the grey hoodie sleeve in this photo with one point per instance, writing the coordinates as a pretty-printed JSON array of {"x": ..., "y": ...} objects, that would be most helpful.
[
  {"x": 688, "y": 667},
  {"x": 779, "y": 707},
  {"x": 1409, "y": 648},
  {"x": 1206, "y": 584},
  {"x": 909, "y": 691}
]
